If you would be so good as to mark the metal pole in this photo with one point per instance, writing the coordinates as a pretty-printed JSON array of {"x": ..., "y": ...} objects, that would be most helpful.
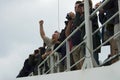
[
  {"x": 89, "y": 45},
  {"x": 57, "y": 62},
  {"x": 68, "y": 56},
  {"x": 51, "y": 64},
  {"x": 38, "y": 71},
  {"x": 58, "y": 17}
]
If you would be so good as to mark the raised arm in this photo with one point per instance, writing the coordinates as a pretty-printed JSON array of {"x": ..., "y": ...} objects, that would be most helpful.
[
  {"x": 68, "y": 28},
  {"x": 42, "y": 33}
]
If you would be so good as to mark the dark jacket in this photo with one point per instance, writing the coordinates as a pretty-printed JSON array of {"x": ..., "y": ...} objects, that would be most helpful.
[
  {"x": 115, "y": 10},
  {"x": 38, "y": 59},
  {"x": 26, "y": 70},
  {"x": 62, "y": 49},
  {"x": 96, "y": 36},
  {"x": 110, "y": 9},
  {"x": 79, "y": 35}
]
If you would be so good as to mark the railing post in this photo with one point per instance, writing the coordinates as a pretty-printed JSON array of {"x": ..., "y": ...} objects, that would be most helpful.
[
  {"x": 38, "y": 70},
  {"x": 89, "y": 45},
  {"x": 58, "y": 64},
  {"x": 51, "y": 63},
  {"x": 67, "y": 56}
]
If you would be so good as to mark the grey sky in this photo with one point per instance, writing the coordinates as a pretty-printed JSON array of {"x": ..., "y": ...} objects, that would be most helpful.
[{"x": 19, "y": 29}]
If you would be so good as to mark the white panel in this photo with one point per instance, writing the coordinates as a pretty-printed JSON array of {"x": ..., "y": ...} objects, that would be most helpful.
[{"x": 101, "y": 73}]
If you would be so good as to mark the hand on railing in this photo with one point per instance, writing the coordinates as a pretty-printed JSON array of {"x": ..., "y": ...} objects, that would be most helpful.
[{"x": 46, "y": 54}]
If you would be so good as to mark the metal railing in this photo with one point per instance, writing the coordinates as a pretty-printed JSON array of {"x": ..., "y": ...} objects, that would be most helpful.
[{"x": 88, "y": 59}]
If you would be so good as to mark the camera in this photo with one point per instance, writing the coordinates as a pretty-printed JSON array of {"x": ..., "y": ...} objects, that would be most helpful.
[{"x": 68, "y": 17}]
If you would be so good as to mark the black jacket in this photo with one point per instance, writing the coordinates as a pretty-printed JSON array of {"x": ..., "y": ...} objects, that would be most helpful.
[{"x": 110, "y": 9}]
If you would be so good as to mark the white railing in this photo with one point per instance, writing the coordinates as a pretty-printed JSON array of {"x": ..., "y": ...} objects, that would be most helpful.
[{"x": 88, "y": 59}]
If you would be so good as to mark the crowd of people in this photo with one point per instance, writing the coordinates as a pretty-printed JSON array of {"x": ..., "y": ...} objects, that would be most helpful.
[
  {"x": 74, "y": 19},
  {"x": 32, "y": 62}
]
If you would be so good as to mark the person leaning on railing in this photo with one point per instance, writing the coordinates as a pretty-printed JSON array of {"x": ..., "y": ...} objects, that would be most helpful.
[
  {"x": 104, "y": 14},
  {"x": 50, "y": 42},
  {"x": 26, "y": 70},
  {"x": 62, "y": 50},
  {"x": 117, "y": 24},
  {"x": 96, "y": 37},
  {"x": 29, "y": 65},
  {"x": 32, "y": 62},
  {"x": 39, "y": 58},
  {"x": 78, "y": 36}
]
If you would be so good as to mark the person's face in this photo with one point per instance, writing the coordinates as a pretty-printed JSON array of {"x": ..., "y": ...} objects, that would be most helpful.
[
  {"x": 55, "y": 36},
  {"x": 36, "y": 52},
  {"x": 78, "y": 8}
]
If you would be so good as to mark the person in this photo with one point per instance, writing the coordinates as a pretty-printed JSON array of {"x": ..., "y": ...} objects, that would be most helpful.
[
  {"x": 104, "y": 14},
  {"x": 29, "y": 65},
  {"x": 62, "y": 50},
  {"x": 102, "y": 18},
  {"x": 79, "y": 9},
  {"x": 26, "y": 70},
  {"x": 32, "y": 62},
  {"x": 78, "y": 36},
  {"x": 117, "y": 24},
  {"x": 39, "y": 57},
  {"x": 96, "y": 37},
  {"x": 50, "y": 43}
]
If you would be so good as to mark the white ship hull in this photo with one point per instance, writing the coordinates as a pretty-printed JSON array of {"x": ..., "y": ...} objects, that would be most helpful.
[{"x": 100, "y": 73}]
